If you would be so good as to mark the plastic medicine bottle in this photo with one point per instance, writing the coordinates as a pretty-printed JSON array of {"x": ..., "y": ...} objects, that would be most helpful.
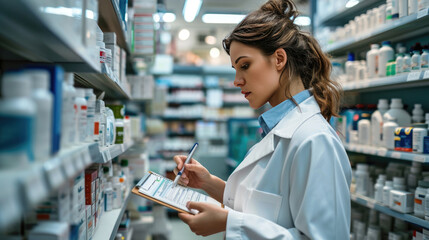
[
  {"x": 416, "y": 61},
  {"x": 68, "y": 120},
  {"x": 386, "y": 192},
  {"x": 377, "y": 122},
  {"x": 385, "y": 55},
  {"x": 419, "y": 198},
  {"x": 362, "y": 179},
  {"x": 425, "y": 59},
  {"x": 407, "y": 63},
  {"x": 378, "y": 187},
  {"x": 419, "y": 132},
  {"x": 364, "y": 130},
  {"x": 43, "y": 99},
  {"x": 371, "y": 60},
  {"x": 17, "y": 118},
  {"x": 396, "y": 110},
  {"x": 417, "y": 114},
  {"x": 81, "y": 109},
  {"x": 389, "y": 127}
]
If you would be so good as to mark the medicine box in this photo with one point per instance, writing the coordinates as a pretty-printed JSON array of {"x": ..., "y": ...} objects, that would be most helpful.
[
  {"x": 50, "y": 231},
  {"x": 109, "y": 38},
  {"x": 401, "y": 201},
  {"x": 426, "y": 144},
  {"x": 404, "y": 139}
]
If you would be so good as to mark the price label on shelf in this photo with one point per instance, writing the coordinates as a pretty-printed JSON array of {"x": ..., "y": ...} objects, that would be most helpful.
[
  {"x": 86, "y": 157},
  {"x": 396, "y": 155},
  {"x": 419, "y": 158},
  {"x": 78, "y": 163},
  {"x": 370, "y": 204},
  {"x": 34, "y": 186},
  {"x": 382, "y": 152},
  {"x": 54, "y": 173},
  {"x": 413, "y": 76},
  {"x": 426, "y": 75},
  {"x": 68, "y": 166},
  {"x": 422, "y": 13}
]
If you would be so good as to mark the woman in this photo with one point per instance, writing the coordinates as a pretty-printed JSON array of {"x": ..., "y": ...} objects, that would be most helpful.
[{"x": 294, "y": 183}]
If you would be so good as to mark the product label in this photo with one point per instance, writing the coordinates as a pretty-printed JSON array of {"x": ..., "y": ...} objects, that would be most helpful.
[
  {"x": 15, "y": 138},
  {"x": 404, "y": 139},
  {"x": 96, "y": 128}
]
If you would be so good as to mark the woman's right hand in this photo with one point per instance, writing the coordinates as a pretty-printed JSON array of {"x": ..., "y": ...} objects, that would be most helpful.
[{"x": 194, "y": 175}]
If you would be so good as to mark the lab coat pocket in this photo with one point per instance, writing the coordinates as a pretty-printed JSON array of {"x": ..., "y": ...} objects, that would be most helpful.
[{"x": 264, "y": 204}]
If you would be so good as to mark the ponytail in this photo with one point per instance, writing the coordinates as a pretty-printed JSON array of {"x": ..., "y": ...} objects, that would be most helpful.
[{"x": 272, "y": 27}]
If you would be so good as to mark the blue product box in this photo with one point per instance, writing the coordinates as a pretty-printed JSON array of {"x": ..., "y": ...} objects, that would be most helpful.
[
  {"x": 404, "y": 139},
  {"x": 57, "y": 76},
  {"x": 426, "y": 144}
]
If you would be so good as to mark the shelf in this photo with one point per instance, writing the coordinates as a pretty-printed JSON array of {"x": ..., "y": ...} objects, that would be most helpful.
[
  {"x": 383, "y": 152},
  {"x": 181, "y": 118},
  {"x": 414, "y": 25},
  {"x": 110, "y": 21},
  {"x": 105, "y": 81},
  {"x": 37, "y": 180},
  {"x": 28, "y": 34},
  {"x": 130, "y": 234},
  {"x": 109, "y": 153},
  {"x": 185, "y": 102},
  {"x": 109, "y": 222},
  {"x": 372, "y": 204},
  {"x": 406, "y": 79},
  {"x": 344, "y": 15},
  {"x": 181, "y": 134},
  {"x": 233, "y": 104}
]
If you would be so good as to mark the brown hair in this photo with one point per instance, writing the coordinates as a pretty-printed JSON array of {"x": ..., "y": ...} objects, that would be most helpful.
[{"x": 272, "y": 27}]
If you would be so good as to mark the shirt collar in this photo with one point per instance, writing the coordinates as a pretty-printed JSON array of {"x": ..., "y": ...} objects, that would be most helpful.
[{"x": 269, "y": 119}]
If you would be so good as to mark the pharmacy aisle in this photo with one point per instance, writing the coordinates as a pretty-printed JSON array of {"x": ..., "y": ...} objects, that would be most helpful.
[{"x": 379, "y": 54}]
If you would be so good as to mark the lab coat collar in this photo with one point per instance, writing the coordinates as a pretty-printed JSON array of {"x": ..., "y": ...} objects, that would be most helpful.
[{"x": 284, "y": 129}]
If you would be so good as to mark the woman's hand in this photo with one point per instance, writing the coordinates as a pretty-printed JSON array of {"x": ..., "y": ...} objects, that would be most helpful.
[
  {"x": 211, "y": 219},
  {"x": 195, "y": 175}
]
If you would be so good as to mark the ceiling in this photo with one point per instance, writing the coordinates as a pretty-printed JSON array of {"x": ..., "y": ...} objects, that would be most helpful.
[{"x": 197, "y": 28}]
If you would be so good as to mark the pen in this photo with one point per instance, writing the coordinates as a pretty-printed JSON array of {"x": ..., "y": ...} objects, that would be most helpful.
[{"x": 191, "y": 152}]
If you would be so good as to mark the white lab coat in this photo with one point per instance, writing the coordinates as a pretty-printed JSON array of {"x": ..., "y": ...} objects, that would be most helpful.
[{"x": 294, "y": 183}]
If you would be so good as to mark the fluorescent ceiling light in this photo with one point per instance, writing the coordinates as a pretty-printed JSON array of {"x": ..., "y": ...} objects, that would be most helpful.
[
  {"x": 303, "y": 21},
  {"x": 191, "y": 9},
  {"x": 164, "y": 17},
  {"x": 214, "y": 52},
  {"x": 222, "y": 18},
  {"x": 210, "y": 40},
  {"x": 184, "y": 34},
  {"x": 351, "y": 3}
]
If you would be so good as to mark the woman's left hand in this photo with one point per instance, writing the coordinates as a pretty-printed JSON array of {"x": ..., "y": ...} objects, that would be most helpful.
[{"x": 211, "y": 219}]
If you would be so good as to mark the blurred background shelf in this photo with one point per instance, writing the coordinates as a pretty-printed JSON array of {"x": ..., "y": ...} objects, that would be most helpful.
[
  {"x": 109, "y": 222},
  {"x": 372, "y": 204},
  {"x": 414, "y": 25},
  {"x": 25, "y": 22}
]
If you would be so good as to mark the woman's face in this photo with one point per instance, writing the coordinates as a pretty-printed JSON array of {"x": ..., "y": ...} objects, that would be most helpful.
[{"x": 256, "y": 75}]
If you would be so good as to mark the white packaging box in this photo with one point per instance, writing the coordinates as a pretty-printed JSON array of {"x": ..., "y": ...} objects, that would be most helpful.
[
  {"x": 109, "y": 38},
  {"x": 122, "y": 71},
  {"x": 401, "y": 201},
  {"x": 89, "y": 222},
  {"x": 116, "y": 58},
  {"x": 50, "y": 231}
]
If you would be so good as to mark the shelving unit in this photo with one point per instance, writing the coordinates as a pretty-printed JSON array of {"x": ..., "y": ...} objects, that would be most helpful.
[
  {"x": 110, "y": 21},
  {"x": 39, "y": 179},
  {"x": 105, "y": 82},
  {"x": 414, "y": 25},
  {"x": 383, "y": 152},
  {"x": 420, "y": 78},
  {"x": 372, "y": 204},
  {"x": 345, "y": 14},
  {"x": 109, "y": 222},
  {"x": 28, "y": 34}
]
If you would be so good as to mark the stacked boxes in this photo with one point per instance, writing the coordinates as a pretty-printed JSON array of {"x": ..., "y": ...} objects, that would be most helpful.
[
  {"x": 110, "y": 41},
  {"x": 91, "y": 175}
]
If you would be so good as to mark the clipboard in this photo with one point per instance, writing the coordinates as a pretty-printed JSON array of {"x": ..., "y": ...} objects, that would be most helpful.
[{"x": 168, "y": 203}]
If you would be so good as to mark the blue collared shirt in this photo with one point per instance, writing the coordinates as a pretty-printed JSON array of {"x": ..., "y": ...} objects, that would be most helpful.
[{"x": 269, "y": 119}]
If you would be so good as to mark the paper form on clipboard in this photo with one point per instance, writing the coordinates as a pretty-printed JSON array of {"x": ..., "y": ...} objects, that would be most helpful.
[{"x": 159, "y": 189}]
